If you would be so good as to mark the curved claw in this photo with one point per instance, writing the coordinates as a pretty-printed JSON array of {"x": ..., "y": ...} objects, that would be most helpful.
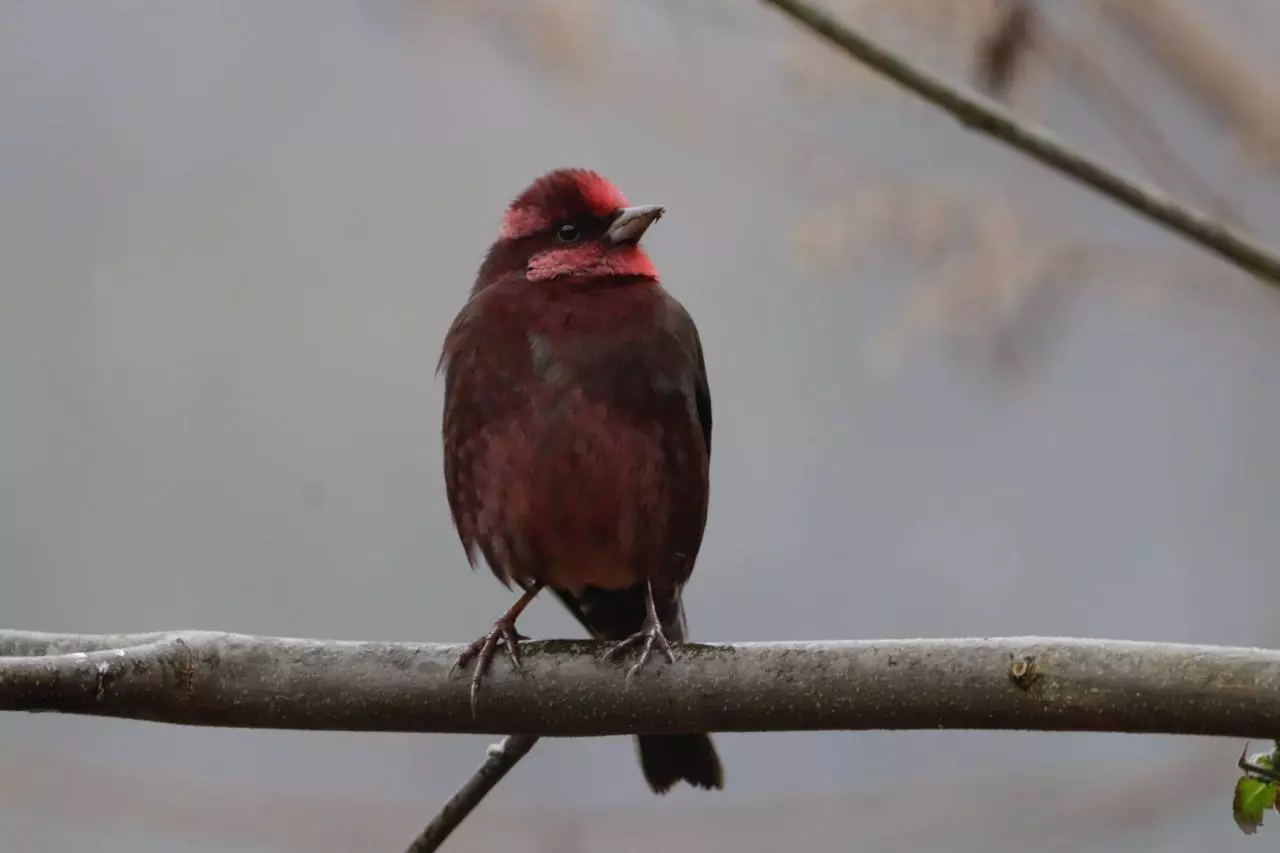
[
  {"x": 651, "y": 636},
  {"x": 483, "y": 650}
]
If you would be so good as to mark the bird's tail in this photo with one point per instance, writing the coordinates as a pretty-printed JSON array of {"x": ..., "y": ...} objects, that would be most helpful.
[{"x": 665, "y": 759}]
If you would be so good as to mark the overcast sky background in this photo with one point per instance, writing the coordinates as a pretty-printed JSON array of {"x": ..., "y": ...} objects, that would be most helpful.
[{"x": 232, "y": 236}]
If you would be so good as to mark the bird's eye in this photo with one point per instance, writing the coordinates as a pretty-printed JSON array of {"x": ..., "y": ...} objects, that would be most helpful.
[{"x": 567, "y": 233}]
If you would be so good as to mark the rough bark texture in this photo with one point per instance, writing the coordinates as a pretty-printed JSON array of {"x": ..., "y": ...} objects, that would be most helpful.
[{"x": 217, "y": 679}]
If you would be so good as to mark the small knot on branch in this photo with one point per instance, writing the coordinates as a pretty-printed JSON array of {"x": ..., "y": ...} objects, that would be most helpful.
[{"x": 1023, "y": 671}]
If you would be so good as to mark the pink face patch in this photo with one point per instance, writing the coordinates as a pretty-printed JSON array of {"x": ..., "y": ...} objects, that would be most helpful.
[
  {"x": 590, "y": 260},
  {"x": 562, "y": 194},
  {"x": 523, "y": 222}
]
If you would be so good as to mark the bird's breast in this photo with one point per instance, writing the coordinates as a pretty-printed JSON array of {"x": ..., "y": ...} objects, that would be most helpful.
[{"x": 570, "y": 448}]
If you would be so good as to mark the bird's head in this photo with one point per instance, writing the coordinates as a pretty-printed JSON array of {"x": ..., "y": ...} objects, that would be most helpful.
[{"x": 570, "y": 224}]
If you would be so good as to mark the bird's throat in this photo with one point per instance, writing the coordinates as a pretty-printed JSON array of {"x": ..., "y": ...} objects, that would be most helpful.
[{"x": 590, "y": 260}]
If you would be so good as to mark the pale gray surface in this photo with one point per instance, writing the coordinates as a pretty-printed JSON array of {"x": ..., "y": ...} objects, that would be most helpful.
[
  {"x": 232, "y": 236},
  {"x": 564, "y": 688}
]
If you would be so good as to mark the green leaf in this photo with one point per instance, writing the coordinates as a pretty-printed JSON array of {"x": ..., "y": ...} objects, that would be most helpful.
[{"x": 1252, "y": 798}]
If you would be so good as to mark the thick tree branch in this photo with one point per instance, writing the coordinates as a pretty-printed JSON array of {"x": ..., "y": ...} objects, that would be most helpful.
[
  {"x": 213, "y": 679},
  {"x": 987, "y": 117}
]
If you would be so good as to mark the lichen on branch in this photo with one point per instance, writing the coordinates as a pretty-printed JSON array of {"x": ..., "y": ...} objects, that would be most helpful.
[{"x": 1050, "y": 684}]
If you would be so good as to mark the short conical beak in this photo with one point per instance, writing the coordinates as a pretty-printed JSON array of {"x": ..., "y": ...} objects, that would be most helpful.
[{"x": 631, "y": 223}]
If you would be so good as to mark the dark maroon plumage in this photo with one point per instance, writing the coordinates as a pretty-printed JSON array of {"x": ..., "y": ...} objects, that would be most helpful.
[{"x": 577, "y": 433}]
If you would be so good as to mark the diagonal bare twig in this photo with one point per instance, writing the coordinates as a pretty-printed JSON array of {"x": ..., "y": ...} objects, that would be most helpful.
[
  {"x": 987, "y": 117},
  {"x": 1126, "y": 117},
  {"x": 502, "y": 757}
]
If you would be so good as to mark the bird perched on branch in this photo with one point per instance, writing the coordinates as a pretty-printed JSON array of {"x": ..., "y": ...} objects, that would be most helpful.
[{"x": 577, "y": 434}]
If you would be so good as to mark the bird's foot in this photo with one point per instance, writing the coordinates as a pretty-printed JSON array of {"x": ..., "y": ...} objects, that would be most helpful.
[
  {"x": 650, "y": 636},
  {"x": 483, "y": 650}
]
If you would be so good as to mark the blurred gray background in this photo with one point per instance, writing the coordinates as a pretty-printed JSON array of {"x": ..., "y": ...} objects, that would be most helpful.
[{"x": 955, "y": 394}]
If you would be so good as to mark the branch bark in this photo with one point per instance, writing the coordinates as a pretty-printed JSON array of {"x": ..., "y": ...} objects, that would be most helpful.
[
  {"x": 985, "y": 116},
  {"x": 1049, "y": 684}
]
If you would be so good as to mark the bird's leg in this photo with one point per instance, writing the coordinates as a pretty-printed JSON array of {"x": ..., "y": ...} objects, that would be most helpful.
[
  {"x": 504, "y": 631},
  {"x": 650, "y": 634}
]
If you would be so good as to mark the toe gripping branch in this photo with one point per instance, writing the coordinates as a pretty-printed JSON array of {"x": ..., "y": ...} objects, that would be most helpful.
[
  {"x": 649, "y": 637},
  {"x": 503, "y": 632}
]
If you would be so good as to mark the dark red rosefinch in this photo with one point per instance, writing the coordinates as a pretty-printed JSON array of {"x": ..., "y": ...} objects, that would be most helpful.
[{"x": 577, "y": 434}]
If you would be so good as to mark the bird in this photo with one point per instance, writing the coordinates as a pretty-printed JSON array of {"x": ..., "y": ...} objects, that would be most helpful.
[{"x": 577, "y": 435}]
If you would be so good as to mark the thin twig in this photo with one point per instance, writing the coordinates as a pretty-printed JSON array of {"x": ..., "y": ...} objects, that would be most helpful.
[
  {"x": 1125, "y": 116},
  {"x": 236, "y": 680},
  {"x": 502, "y": 757},
  {"x": 987, "y": 117}
]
